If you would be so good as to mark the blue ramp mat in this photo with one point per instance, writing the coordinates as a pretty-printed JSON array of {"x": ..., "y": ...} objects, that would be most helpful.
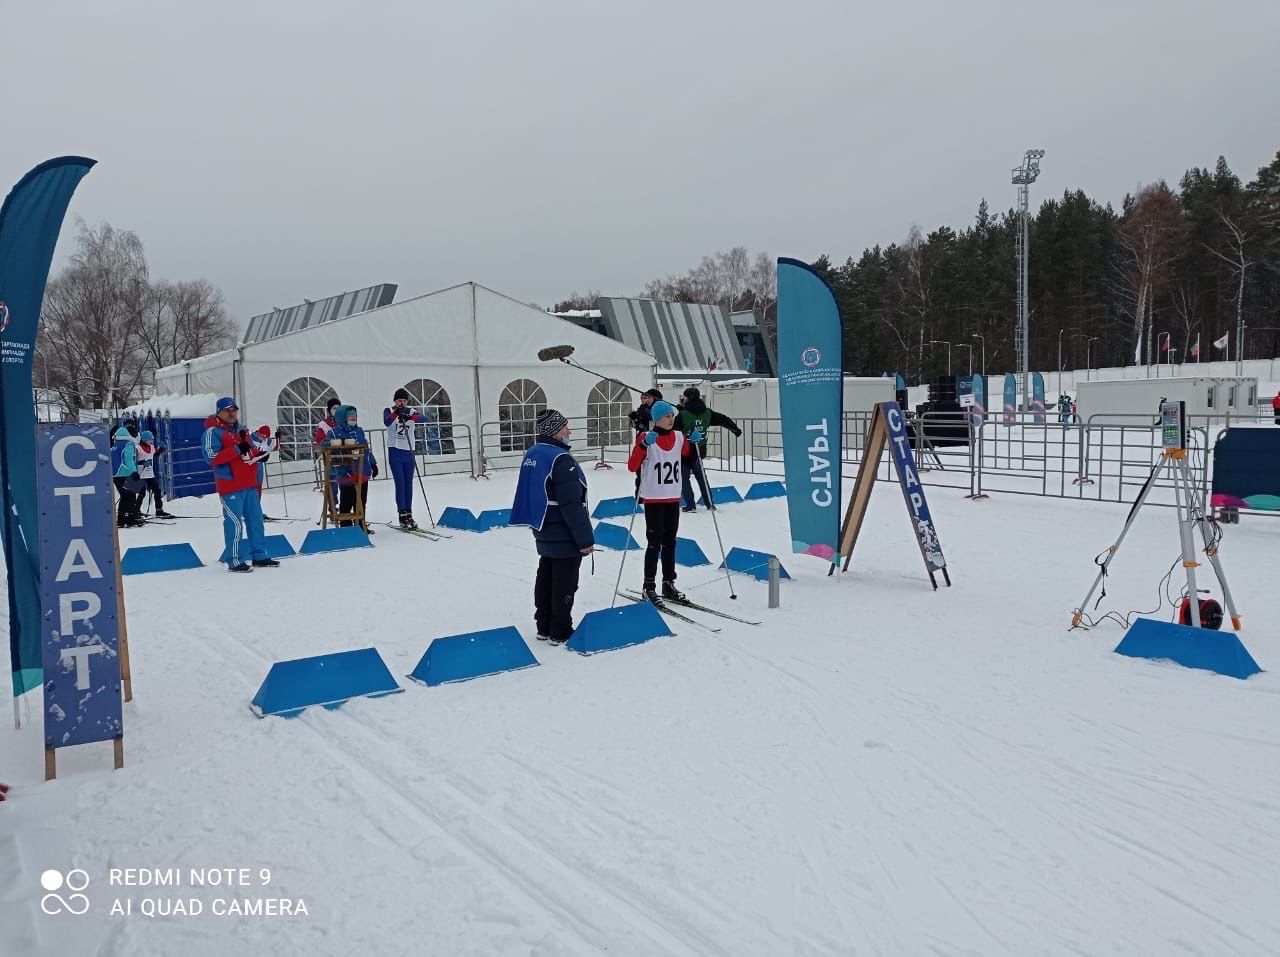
[
  {"x": 459, "y": 518},
  {"x": 615, "y": 537},
  {"x": 493, "y": 518},
  {"x": 334, "y": 540},
  {"x": 766, "y": 490},
  {"x": 144, "y": 559},
  {"x": 613, "y": 628},
  {"x": 615, "y": 508},
  {"x": 473, "y": 655},
  {"x": 690, "y": 553},
  {"x": 1218, "y": 651},
  {"x": 755, "y": 564},
  {"x": 725, "y": 495},
  {"x": 278, "y": 547},
  {"x": 327, "y": 680}
]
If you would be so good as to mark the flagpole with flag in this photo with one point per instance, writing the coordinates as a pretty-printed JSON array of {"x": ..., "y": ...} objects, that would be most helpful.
[
  {"x": 30, "y": 221},
  {"x": 1224, "y": 343},
  {"x": 1195, "y": 350}
]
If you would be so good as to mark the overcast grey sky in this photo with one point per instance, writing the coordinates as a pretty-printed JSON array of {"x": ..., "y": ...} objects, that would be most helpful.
[{"x": 297, "y": 148}]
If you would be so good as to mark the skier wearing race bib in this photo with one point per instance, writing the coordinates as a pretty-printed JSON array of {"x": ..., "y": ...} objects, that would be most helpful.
[
  {"x": 146, "y": 458},
  {"x": 660, "y": 457},
  {"x": 401, "y": 422}
]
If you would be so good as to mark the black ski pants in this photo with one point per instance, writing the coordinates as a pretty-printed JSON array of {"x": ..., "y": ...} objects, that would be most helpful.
[
  {"x": 553, "y": 592},
  {"x": 129, "y": 508},
  {"x": 347, "y": 498},
  {"x": 661, "y": 524},
  {"x": 157, "y": 498}
]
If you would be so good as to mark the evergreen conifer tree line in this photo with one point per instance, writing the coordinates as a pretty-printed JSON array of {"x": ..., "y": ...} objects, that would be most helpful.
[{"x": 1172, "y": 267}]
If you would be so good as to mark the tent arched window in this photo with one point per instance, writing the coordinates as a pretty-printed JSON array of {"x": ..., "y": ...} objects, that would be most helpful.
[
  {"x": 430, "y": 398},
  {"x": 518, "y": 407},
  {"x": 298, "y": 409},
  {"x": 607, "y": 406}
]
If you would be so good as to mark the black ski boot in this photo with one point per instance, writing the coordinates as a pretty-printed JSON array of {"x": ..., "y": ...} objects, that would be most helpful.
[
  {"x": 242, "y": 567},
  {"x": 161, "y": 513},
  {"x": 406, "y": 520},
  {"x": 689, "y": 508},
  {"x": 650, "y": 594},
  {"x": 669, "y": 590},
  {"x": 265, "y": 563}
]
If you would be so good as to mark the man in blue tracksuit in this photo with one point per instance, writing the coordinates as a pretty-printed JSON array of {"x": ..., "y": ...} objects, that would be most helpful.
[
  {"x": 551, "y": 498},
  {"x": 401, "y": 422}
]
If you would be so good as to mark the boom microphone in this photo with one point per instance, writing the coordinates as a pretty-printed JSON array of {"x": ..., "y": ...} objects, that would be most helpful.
[
  {"x": 555, "y": 352},
  {"x": 563, "y": 353}
]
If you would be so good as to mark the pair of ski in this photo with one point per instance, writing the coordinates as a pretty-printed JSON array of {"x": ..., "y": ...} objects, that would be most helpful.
[
  {"x": 664, "y": 605},
  {"x": 266, "y": 518},
  {"x": 430, "y": 534}
]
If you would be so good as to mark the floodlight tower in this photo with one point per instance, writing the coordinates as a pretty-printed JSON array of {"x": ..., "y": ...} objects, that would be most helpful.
[{"x": 1023, "y": 177}]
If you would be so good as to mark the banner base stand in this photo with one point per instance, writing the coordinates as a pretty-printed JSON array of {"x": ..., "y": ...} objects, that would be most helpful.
[{"x": 51, "y": 758}]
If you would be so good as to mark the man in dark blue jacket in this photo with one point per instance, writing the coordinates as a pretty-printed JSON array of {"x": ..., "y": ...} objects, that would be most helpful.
[{"x": 551, "y": 498}]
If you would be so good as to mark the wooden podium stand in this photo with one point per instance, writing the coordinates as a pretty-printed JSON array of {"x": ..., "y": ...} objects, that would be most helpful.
[{"x": 339, "y": 456}]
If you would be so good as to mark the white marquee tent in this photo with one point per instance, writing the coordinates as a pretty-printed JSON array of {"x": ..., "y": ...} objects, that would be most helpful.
[{"x": 466, "y": 354}]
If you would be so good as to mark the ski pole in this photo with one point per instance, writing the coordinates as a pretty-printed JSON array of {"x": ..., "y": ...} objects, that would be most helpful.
[
  {"x": 715, "y": 520},
  {"x": 635, "y": 504},
  {"x": 425, "y": 500},
  {"x": 284, "y": 484}
]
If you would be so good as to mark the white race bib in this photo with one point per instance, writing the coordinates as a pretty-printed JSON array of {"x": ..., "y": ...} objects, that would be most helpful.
[{"x": 660, "y": 473}]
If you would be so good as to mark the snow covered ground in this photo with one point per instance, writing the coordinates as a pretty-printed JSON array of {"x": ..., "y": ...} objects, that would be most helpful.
[{"x": 878, "y": 769}]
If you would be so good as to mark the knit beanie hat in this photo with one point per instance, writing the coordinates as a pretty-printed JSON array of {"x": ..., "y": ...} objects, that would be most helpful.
[
  {"x": 652, "y": 393},
  {"x": 401, "y": 394},
  {"x": 146, "y": 435},
  {"x": 549, "y": 422},
  {"x": 662, "y": 409}
]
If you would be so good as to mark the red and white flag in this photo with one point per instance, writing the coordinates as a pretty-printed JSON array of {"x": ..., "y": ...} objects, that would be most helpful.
[
  {"x": 1222, "y": 343},
  {"x": 1195, "y": 350},
  {"x": 1165, "y": 346}
]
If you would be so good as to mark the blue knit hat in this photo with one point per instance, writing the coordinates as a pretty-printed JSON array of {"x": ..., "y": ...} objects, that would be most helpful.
[{"x": 661, "y": 410}]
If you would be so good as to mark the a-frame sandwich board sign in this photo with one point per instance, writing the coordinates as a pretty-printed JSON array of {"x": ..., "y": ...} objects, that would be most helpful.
[{"x": 888, "y": 428}]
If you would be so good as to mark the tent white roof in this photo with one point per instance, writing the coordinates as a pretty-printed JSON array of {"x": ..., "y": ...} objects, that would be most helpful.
[{"x": 470, "y": 340}]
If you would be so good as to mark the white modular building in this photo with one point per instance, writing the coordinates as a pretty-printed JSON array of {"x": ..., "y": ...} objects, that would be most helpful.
[{"x": 1124, "y": 401}]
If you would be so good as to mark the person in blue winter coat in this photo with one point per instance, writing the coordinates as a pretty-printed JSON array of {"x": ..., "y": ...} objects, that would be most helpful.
[
  {"x": 127, "y": 481},
  {"x": 351, "y": 481},
  {"x": 551, "y": 498},
  {"x": 401, "y": 422}
]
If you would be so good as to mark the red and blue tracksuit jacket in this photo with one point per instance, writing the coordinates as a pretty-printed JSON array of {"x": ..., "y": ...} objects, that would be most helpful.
[{"x": 231, "y": 473}]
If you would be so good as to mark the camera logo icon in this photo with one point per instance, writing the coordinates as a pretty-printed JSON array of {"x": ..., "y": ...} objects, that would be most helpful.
[{"x": 74, "y": 903}]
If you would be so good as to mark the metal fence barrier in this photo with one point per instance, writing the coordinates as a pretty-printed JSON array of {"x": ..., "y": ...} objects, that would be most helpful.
[
  {"x": 1106, "y": 459},
  {"x": 184, "y": 472}
]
